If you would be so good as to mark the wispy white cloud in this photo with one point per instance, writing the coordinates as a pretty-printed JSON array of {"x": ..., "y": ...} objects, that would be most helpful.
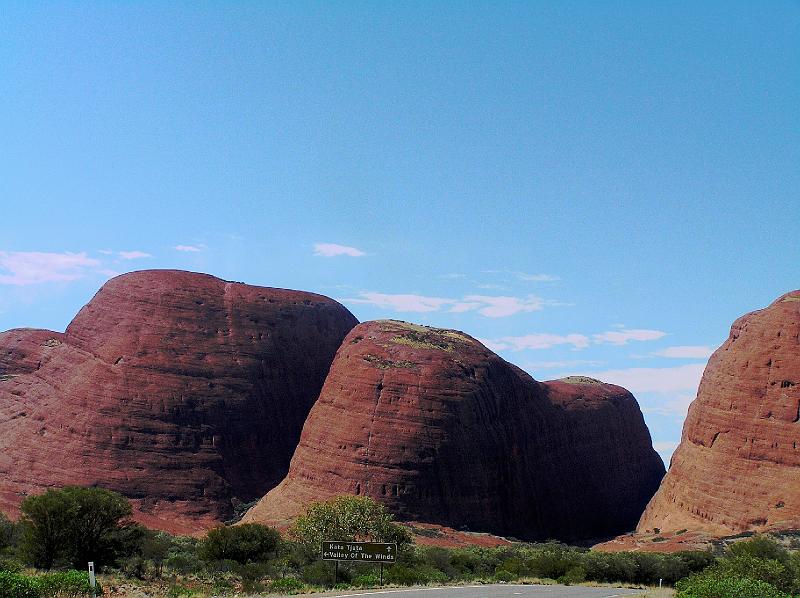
[
  {"x": 490, "y": 306},
  {"x": 452, "y": 275},
  {"x": 543, "y": 340},
  {"x": 678, "y": 379},
  {"x": 34, "y": 267},
  {"x": 417, "y": 303},
  {"x": 560, "y": 365},
  {"x": 524, "y": 275},
  {"x": 686, "y": 352},
  {"x": 333, "y": 250},
  {"x": 502, "y": 306},
  {"x": 189, "y": 248},
  {"x": 536, "y": 341},
  {"x": 624, "y": 336},
  {"x": 535, "y": 277},
  {"x": 133, "y": 255},
  {"x": 676, "y": 405}
]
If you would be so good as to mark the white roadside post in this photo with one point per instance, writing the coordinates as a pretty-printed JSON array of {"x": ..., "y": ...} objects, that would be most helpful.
[{"x": 92, "y": 580}]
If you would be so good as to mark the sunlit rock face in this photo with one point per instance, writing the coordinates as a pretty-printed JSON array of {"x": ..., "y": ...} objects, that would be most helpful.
[
  {"x": 440, "y": 429},
  {"x": 184, "y": 392},
  {"x": 737, "y": 467}
]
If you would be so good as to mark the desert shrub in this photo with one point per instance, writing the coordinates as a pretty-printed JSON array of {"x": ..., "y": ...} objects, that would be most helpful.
[
  {"x": 761, "y": 547},
  {"x": 576, "y": 574},
  {"x": 760, "y": 569},
  {"x": 180, "y": 591},
  {"x": 155, "y": 547},
  {"x": 10, "y": 564},
  {"x": 705, "y": 585},
  {"x": 403, "y": 574},
  {"x": 321, "y": 573},
  {"x": 514, "y": 565},
  {"x": 16, "y": 585},
  {"x": 184, "y": 562},
  {"x": 76, "y": 525},
  {"x": 9, "y": 535},
  {"x": 182, "y": 556},
  {"x": 240, "y": 543},
  {"x": 347, "y": 518},
  {"x": 471, "y": 562},
  {"x": 553, "y": 562},
  {"x": 439, "y": 558},
  {"x": 366, "y": 580},
  {"x": 65, "y": 584},
  {"x": 287, "y": 585},
  {"x": 502, "y": 575}
]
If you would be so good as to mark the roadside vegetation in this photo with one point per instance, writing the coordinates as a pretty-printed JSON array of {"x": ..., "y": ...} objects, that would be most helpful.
[{"x": 44, "y": 554}]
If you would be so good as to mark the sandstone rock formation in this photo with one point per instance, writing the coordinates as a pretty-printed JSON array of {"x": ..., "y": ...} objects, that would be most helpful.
[
  {"x": 180, "y": 390},
  {"x": 440, "y": 429},
  {"x": 738, "y": 464}
]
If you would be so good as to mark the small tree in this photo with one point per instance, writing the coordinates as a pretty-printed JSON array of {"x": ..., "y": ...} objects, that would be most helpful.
[
  {"x": 240, "y": 543},
  {"x": 347, "y": 518},
  {"x": 8, "y": 532},
  {"x": 155, "y": 548},
  {"x": 75, "y": 525}
]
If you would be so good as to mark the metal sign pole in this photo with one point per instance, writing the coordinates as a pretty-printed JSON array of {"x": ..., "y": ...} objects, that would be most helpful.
[
  {"x": 336, "y": 573},
  {"x": 381, "y": 574},
  {"x": 92, "y": 580}
]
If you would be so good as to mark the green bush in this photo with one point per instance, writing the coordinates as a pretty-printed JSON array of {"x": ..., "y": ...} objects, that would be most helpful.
[
  {"x": 76, "y": 525},
  {"x": 287, "y": 585},
  {"x": 184, "y": 562},
  {"x": 553, "y": 562},
  {"x": 367, "y": 580},
  {"x": 240, "y": 543},
  {"x": 761, "y": 547},
  {"x": 347, "y": 518},
  {"x": 574, "y": 575},
  {"x": 712, "y": 586},
  {"x": 9, "y": 533},
  {"x": 405, "y": 575},
  {"x": 504, "y": 576},
  {"x": 65, "y": 584},
  {"x": 16, "y": 585},
  {"x": 321, "y": 573},
  {"x": 748, "y": 567},
  {"x": 10, "y": 564},
  {"x": 179, "y": 591}
]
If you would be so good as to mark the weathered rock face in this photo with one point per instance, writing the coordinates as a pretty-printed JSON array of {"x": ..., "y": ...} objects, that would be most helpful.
[
  {"x": 179, "y": 390},
  {"x": 442, "y": 430},
  {"x": 738, "y": 464}
]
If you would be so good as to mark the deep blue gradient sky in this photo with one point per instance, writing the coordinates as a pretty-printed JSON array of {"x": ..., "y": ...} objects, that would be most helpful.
[{"x": 537, "y": 174}]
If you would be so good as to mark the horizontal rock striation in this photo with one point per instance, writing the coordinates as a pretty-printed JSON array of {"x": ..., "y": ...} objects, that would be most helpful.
[
  {"x": 737, "y": 467},
  {"x": 442, "y": 430},
  {"x": 182, "y": 391}
]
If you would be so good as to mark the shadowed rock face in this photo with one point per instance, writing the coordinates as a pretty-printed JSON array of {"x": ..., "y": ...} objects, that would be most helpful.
[
  {"x": 737, "y": 467},
  {"x": 179, "y": 390},
  {"x": 441, "y": 429}
]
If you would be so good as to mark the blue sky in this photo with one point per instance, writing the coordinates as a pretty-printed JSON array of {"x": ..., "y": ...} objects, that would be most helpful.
[{"x": 589, "y": 187}]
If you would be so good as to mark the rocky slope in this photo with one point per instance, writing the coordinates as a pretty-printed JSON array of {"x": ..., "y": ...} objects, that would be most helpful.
[
  {"x": 439, "y": 428},
  {"x": 738, "y": 464},
  {"x": 180, "y": 390}
]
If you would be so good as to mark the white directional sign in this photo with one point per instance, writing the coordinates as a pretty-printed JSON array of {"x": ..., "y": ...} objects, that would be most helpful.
[{"x": 368, "y": 552}]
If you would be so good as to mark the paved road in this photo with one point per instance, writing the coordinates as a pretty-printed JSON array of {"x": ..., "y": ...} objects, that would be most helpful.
[{"x": 489, "y": 591}]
